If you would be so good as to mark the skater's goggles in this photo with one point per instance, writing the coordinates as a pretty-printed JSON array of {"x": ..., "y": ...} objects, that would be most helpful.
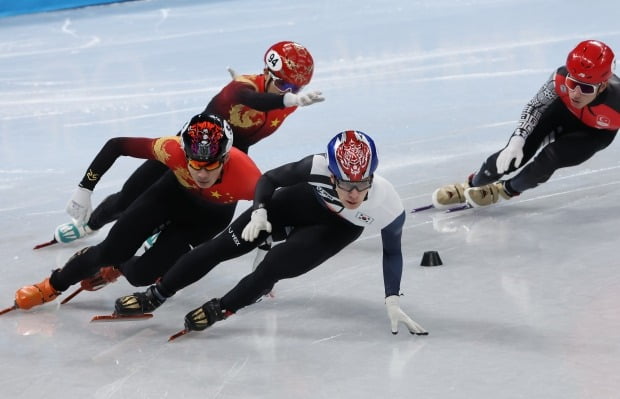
[
  {"x": 349, "y": 186},
  {"x": 283, "y": 85},
  {"x": 207, "y": 165},
  {"x": 586, "y": 88}
]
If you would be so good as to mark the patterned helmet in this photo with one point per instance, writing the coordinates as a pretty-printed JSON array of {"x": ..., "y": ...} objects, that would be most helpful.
[
  {"x": 352, "y": 156},
  {"x": 591, "y": 62},
  {"x": 290, "y": 62},
  {"x": 207, "y": 138}
]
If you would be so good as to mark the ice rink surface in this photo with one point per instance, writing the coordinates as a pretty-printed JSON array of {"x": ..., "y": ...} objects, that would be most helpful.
[{"x": 525, "y": 305}]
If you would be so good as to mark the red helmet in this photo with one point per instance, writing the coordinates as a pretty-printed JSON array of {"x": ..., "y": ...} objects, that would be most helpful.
[
  {"x": 291, "y": 62},
  {"x": 591, "y": 61}
]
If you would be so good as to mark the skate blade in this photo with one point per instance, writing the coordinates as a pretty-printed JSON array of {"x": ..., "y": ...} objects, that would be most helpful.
[
  {"x": 7, "y": 310},
  {"x": 70, "y": 297},
  {"x": 446, "y": 209},
  {"x": 120, "y": 317},
  {"x": 460, "y": 208},
  {"x": 45, "y": 244},
  {"x": 179, "y": 334},
  {"x": 422, "y": 208}
]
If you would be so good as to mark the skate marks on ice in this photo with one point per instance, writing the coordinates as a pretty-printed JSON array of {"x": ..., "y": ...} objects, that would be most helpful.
[{"x": 127, "y": 345}]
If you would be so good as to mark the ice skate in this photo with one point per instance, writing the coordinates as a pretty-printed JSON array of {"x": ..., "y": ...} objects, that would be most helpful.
[
  {"x": 69, "y": 232},
  {"x": 486, "y": 195},
  {"x": 449, "y": 196},
  {"x": 139, "y": 302},
  {"x": 205, "y": 316},
  {"x": 103, "y": 277},
  {"x": 36, "y": 294}
]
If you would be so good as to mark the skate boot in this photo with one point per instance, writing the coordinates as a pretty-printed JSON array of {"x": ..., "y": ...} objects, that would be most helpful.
[
  {"x": 103, "y": 277},
  {"x": 486, "y": 195},
  {"x": 139, "y": 302},
  {"x": 205, "y": 316},
  {"x": 36, "y": 294},
  {"x": 450, "y": 195},
  {"x": 68, "y": 232}
]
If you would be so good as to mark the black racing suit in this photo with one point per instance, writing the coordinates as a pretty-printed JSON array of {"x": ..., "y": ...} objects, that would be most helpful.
[
  {"x": 298, "y": 195},
  {"x": 188, "y": 220},
  {"x": 556, "y": 134}
]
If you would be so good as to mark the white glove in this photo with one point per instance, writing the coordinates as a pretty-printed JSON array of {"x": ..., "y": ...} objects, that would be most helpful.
[
  {"x": 396, "y": 315},
  {"x": 232, "y": 73},
  {"x": 79, "y": 206},
  {"x": 302, "y": 99},
  {"x": 258, "y": 222},
  {"x": 514, "y": 150}
]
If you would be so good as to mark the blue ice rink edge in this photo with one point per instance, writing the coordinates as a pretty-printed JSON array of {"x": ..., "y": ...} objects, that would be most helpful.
[{"x": 18, "y": 7}]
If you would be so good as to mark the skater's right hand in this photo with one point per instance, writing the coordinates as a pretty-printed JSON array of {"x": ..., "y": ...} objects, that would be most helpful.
[
  {"x": 258, "y": 222},
  {"x": 302, "y": 99},
  {"x": 79, "y": 206},
  {"x": 513, "y": 151}
]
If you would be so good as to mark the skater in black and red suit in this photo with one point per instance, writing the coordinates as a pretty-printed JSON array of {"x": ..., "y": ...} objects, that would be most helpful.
[
  {"x": 255, "y": 106},
  {"x": 194, "y": 200}
]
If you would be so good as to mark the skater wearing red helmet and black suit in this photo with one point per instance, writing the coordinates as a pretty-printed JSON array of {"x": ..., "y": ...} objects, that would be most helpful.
[
  {"x": 328, "y": 199},
  {"x": 573, "y": 116},
  {"x": 255, "y": 106}
]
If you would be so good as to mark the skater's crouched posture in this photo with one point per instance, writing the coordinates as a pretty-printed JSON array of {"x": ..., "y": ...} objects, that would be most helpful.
[
  {"x": 574, "y": 115},
  {"x": 328, "y": 200}
]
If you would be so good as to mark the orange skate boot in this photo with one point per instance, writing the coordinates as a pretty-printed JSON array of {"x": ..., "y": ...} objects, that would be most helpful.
[{"x": 37, "y": 294}]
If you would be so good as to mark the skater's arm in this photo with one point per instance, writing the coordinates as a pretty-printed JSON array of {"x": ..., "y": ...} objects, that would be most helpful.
[
  {"x": 257, "y": 100},
  {"x": 392, "y": 255},
  {"x": 136, "y": 147},
  {"x": 534, "y": 109},
  {"x": 283, "y": 176}
]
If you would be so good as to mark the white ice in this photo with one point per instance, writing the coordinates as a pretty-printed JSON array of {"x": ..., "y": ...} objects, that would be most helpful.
[{"x": 525, "y": 305}]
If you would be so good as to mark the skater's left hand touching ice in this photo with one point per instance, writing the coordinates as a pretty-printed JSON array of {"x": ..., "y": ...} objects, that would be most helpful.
[{"x": 397, "y": 315}]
